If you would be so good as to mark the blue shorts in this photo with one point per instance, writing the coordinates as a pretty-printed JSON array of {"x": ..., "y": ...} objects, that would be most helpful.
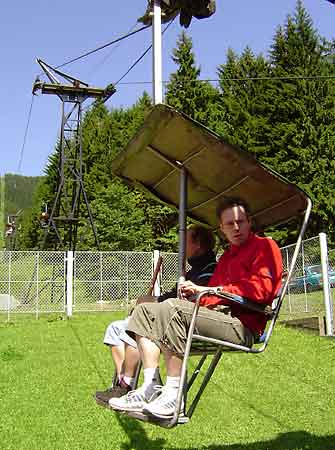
[{"x": 116, "y": 334}]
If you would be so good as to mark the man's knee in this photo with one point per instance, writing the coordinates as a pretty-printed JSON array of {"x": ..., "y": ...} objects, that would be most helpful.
[
  {"x": 172, "y": 305},
  {"x": 146, "y": 309}
]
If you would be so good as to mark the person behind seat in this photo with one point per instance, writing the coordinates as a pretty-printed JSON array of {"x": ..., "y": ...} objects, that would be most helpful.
[
  {"x": 200, "y": 243},
  {"x": 251, "y": 267}
]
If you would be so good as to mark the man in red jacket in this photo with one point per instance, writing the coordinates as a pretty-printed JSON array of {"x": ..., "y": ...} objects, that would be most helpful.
[{"x": 251, "y": 267}]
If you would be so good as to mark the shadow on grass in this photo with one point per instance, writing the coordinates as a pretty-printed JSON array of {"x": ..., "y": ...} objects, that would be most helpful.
[
  {"x": 134, "y": 430},
  {"x": 214, "y": 386},
  {"x": 86, "y": 352},
  {"x": 137, "y": 436},
  {"x": 10, "y": 354},
  {"x": 294, "y": 440}
]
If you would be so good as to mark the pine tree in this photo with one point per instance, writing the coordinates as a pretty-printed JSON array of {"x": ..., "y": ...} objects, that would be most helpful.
[
  {"x": 285, "y": 117},
  {"x": 301, "y": 140},
  {"x": 124, "y": 217},
  {"x": 243, "y": 99},
  {"x": 185, "y": 91}
]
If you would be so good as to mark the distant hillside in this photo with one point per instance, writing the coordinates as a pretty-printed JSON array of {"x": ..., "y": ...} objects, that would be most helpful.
[{"x": 19, "y": 192}]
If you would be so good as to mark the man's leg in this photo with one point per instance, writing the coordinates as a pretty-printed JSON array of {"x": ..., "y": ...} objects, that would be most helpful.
[
  {"x": 173, "y": 362},
  {"x": 130, "y": 364},
  {"x": 168, "y": 323},
  {"x": 142, "y": 319},
  {"x": 171, "y": 329},
  {"x": 121, "y": 346},
  {"x": 117, "y": 352}
]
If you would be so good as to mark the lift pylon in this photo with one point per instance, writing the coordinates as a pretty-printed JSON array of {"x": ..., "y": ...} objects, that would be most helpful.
[
  {"x": 65, "y": 212},
  {"x": 11, "y": 230}
]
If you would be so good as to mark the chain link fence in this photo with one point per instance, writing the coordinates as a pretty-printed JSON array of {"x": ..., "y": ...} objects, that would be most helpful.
[
  {"x": 32, "y": 282},
  {"x": 305, "y": 294},
  {"x": 169, "y": 271},
  {"x": 110, "y": 281},
  {"x": 35, "y": 282}
]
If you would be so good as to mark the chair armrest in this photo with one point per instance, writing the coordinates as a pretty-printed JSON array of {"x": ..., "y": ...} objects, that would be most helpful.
[{"x": 241, "y": 301}]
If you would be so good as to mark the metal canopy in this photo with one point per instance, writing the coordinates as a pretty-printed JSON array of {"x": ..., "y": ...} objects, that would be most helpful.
[{"x": 170, "y": 140}]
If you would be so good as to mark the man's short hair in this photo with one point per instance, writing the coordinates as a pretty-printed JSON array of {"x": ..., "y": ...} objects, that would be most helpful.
[
  {"x": 203, "y": 235},
  {"x": 230, "y": 202}
]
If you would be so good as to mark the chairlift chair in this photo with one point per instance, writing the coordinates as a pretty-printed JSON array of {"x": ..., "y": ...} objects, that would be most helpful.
[{"x": 186, "y": 166}]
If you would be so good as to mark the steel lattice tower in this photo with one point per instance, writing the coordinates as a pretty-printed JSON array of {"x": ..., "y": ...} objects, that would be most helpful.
[{"x": 70, "y": 191}]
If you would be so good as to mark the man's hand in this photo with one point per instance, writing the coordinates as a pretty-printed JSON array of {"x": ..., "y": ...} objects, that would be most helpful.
[{"x": 188, "y": 288}]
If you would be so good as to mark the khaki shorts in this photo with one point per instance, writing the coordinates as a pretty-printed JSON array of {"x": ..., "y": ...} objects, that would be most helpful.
[{"x": 167, "y": 324}]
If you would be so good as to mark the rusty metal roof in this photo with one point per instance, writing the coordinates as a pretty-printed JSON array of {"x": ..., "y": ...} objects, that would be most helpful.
[{"x": 169, "y": 140}]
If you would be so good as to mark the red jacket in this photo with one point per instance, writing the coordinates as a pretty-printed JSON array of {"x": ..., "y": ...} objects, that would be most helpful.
[{"x": 252, "y": 270}]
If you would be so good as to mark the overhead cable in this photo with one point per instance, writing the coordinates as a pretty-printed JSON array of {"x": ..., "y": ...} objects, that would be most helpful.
[
  {"x": 102, "y": 47},
  {"x": 213, "y": 80},
  {"x": 25, "y": 136},
  {"x": 142, "y": 56},
  {"x": 104, "y": 59},
  {"x": 134, "y": 64}
]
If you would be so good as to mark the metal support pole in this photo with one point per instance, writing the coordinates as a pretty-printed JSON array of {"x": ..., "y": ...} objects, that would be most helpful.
[
  {"x": 101, "y": 277},
  {"x": 157, "y": 285},
  {"x": 326, "y": 285},
  {"x": 182, "y": 224},
  {"x": 9, "y": 285},
  {"x": 157, "y": 53},
  {"x": 69, "y": 283},
  {"x": 37, "y": 283}
]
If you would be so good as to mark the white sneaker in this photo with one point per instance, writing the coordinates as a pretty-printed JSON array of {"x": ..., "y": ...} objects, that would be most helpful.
[
  {"x": 135, "y": 400},
  {"x": 164, "y": 405}
]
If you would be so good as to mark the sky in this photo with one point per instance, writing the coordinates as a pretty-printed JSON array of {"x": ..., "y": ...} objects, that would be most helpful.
[{"x": 59, "y": 31}]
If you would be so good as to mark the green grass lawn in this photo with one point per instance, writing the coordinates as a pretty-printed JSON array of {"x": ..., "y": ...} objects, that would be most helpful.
[{"x": 50, "y": 368}]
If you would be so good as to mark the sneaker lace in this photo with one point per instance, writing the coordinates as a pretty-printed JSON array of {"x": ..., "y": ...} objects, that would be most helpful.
[
  {"x": 134, "y": 395},
  {"x": 157, "y": 391},
  {"x": 164, "y": 403}
]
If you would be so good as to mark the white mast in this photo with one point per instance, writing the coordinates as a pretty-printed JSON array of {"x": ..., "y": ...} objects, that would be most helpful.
[{"x": 157, "y": 53}]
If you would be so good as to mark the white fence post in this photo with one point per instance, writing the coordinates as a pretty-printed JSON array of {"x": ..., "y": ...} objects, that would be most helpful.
[
  {"x": 101, "y": 279},
  {"x": 326, "y": 285},
  {"x": 157, "y": 285},
  {"x": 127, "y": 305},
  {"x": 69, "y": 283},
  {"x": 9, "y": 285},
  {"x": 37, "y": 284}
]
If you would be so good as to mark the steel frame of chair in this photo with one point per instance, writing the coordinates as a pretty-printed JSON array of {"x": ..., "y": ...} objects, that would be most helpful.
[{"x": 197, "y": 344}]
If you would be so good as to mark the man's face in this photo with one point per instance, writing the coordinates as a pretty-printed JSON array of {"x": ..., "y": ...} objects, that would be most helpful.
[
  {"x": 235, "y": 225},
  {"x": 192, "y": 246}
]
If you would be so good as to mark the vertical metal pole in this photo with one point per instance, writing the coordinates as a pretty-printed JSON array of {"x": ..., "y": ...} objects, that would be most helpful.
[
  {"x": 288, "y": 288},
  {"x": 127, "y": 305},
  {"x": 157, "y": 285},
  {"x": 37, "y": 283},
  {"x": 62, "y": 155},
  {"x": 326, "y": 285},
  {"x": 182, "y": 224},
  {"x": 101, "y": 278},
  {"x": 303, "y": 269},
  {"x": 69, "y": 283},
  {"x": 9, "y": 281},
  {"x": 304, "y": 276},
  {"x": 157, "y": 53}
]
